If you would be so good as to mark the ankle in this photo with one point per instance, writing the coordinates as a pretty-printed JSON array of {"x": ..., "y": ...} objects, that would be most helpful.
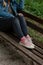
[
  {"x": 23, "y": 38},
  {"x": 27, "y": 35}
]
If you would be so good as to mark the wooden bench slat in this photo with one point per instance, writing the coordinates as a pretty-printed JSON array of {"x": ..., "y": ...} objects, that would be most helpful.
[
  {"x": 39, "y": 50},
  {"x": 37, "y": 19},
  {"x": 24, "y": 50},
  {"x": 38, "y": 43},
  {"x": 34, "y": 63},
  {"x": 33, "y": 26},
  {"x": 37, "y": 53}
]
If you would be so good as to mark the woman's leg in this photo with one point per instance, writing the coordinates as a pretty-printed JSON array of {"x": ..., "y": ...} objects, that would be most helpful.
[
  {"x": 23, "y": 24},
  {"x": 17, "y": 28}
]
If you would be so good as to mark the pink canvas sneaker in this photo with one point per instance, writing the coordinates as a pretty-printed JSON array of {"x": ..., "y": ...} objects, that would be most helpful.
[
  {"x": 29, "y": 39},
  {"x": 24, "y": 42}
]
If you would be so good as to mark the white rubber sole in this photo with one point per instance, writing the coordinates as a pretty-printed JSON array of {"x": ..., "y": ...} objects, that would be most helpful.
[{"x": 30, "y": 47}]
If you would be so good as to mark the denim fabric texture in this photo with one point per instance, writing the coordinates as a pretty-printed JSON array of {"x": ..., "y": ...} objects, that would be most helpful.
[
  {"x": 17, "y": 6},
  {"x": 14, "y": 5}
]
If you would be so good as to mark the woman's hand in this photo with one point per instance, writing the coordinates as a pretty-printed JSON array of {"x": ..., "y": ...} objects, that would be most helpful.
[{"x": 20, "y": 14}]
